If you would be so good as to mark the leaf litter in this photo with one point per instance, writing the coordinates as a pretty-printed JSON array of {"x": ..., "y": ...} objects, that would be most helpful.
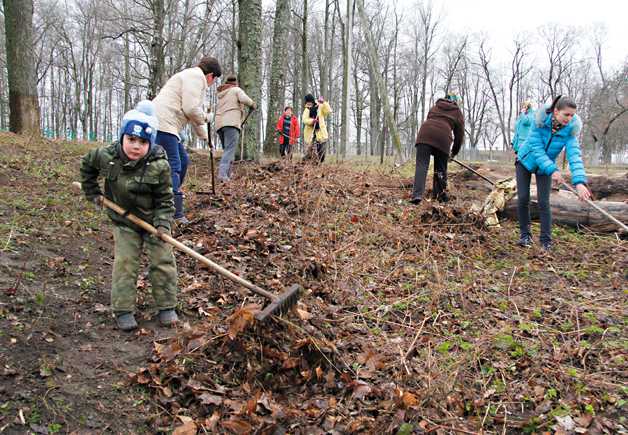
[{"x": 413, "y": 319}]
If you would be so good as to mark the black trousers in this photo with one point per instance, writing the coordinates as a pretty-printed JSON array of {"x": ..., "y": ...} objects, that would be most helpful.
[
  {"x": 285, "y": 148},
  {"x": 423, "y": 154}
]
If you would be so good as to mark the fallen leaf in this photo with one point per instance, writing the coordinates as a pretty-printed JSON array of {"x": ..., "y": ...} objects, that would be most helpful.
[
  {"x": 319, "y": 373},
  {"x": 169, "y": 351},
  {"x": 241, "y": 319},
  {"x": 303, "y": 315},
  {"x": 584, "y": 420},
  {"x": 210, "y": 399},
  {"x": 360, "y": 389},
  {"x": 409, "y": 399},
  {"x": 290, "y": 363},
  {"x": 237, "y": 426},
  {"x": 188, "y": 428},
  {"x": 210, "y": 423}
]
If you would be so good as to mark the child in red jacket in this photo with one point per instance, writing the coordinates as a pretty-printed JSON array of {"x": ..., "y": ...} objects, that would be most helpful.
[{"x": 288, "y": 130}]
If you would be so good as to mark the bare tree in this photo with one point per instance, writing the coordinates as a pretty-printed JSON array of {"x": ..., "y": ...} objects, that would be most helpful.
[
  {"x": 484, "y": 57},
  {"x": 559, "y": 42},
  {"x": 249, "y": 61},
  {"x": 427, "y": 28},
  {"x": 275, "y": 94},
  {"x": 347, "y": 48},
  {"x": 23, "y": 102},
  {"x": 374, "y": 64}
]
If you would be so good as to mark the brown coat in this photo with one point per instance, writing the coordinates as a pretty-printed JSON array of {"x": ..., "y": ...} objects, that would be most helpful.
[
  {"x": 443, "y": 118},
  {"x": 230, "y": 109}
]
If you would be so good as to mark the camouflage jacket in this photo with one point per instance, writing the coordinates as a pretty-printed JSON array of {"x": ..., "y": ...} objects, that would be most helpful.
[{"x": 142, "y": 187}]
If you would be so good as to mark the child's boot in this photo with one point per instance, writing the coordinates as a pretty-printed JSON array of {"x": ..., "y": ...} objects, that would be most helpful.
[
  {"x": 168, "y": 317},
  {"x": 126, "y": 321}
]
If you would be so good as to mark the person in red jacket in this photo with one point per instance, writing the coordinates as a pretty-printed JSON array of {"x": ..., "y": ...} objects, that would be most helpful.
[
  {"x": 444, "y": 120},
  {"x": 288, "y": 130}
]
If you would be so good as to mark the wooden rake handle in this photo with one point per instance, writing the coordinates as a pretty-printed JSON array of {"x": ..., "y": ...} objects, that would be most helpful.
[
  {"x": 473, "y": 170},
  {"x": 181, "y": 247},
  {"x": 598, "y": 208}
]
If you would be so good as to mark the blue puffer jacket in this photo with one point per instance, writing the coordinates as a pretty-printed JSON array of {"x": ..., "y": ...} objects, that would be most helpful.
[
  {"x": 522, "y": 129},
  {"x": 538, "y": 153}
]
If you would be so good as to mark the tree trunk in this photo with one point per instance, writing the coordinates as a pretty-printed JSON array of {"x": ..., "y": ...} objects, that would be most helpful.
[
  {"x": 326, "y": 55},
  {"x": 374, "y": 64},
  {"x": 3, "y": 98},
  {"x": 569, "y": 210},
  {"x": 346, "y": 81},
  {"x": 304, "y": 60},
  {"x": 157, "y": 52},
  {"x": 277, "y": 82},
  {"x": 23, "y": 102},
  {"x": 127, "y": 73},
  {"x": 250, "y": 65}
]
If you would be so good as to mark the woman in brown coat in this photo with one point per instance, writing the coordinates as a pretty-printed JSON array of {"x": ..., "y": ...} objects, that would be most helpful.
[{"x": 434, "y": 139}]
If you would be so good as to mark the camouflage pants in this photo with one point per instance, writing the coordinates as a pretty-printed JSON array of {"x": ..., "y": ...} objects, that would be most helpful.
[{"x": 162, "y": 271}]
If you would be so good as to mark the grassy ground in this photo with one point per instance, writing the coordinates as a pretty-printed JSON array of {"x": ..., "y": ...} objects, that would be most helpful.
[{"x": 412, "y": 320}]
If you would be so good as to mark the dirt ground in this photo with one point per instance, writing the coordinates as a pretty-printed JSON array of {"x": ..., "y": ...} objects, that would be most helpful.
[{"x": 412, "y": 319}]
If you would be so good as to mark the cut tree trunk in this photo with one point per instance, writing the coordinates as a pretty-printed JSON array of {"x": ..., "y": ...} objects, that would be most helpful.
[{"x": 568, "y": 210}]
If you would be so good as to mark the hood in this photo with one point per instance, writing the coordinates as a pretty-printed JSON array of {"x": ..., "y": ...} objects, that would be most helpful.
[
  {"x": 446, "y": 105},
  {"x": 226, "y": 87},
  {"x": 545, "y": 119}
]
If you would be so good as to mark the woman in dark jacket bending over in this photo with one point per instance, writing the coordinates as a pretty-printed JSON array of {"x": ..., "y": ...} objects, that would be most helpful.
[{"x": 434, "y": 139}]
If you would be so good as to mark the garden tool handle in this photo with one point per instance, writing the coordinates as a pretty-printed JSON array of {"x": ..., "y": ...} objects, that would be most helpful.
[
  {"x": 211, "y": 156},
  {"x": 180, "y": 246},
  {"x": 598, "y": 208},
  {"x": 453, "y": 159}
]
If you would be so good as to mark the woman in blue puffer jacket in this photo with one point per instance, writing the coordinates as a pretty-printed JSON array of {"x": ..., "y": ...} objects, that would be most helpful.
[
  {"x": 523, "y": 125},
  {"x": 555, "y": 128}
]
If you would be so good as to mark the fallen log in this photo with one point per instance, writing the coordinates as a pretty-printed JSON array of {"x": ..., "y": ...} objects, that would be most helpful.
[
  {"x": 568, "y": 210},
  {"x": 604, "y": 187}
]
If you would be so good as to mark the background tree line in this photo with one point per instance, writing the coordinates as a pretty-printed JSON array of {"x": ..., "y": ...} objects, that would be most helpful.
[{"x": 86, "y": 62}]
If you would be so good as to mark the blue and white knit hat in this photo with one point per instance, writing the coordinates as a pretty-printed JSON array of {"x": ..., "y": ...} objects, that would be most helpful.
[{"x": 141, "y": 122}]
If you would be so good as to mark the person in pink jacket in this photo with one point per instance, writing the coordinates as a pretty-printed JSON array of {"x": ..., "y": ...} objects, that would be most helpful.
[{"x": 180, "y": 102}]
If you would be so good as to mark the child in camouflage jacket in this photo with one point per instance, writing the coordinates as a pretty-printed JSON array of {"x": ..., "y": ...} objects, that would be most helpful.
[{"x": 137, "y": 178}]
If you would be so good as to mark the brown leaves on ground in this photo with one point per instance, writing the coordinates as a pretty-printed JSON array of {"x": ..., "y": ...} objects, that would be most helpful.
[
  {"x": 241, "y": 319},
  {"x": 489, "y": 348}
]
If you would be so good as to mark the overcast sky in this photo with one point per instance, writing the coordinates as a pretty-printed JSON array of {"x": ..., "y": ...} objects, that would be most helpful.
[{"x": 502, "y": 19}]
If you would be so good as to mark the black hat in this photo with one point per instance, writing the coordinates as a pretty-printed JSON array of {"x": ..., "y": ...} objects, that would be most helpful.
[{"x": 309, "y": 98}]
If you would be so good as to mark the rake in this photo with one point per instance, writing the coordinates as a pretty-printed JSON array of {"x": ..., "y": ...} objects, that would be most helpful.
[
  {"x": 566, "y": 186},
  {"x": 278, "y": 303}
]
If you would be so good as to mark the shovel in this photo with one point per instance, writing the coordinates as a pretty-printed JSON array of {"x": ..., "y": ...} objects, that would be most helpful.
[{"x": 278, "y": 304}]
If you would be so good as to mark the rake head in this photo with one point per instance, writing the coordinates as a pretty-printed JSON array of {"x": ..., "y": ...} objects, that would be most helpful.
[{"x": 281, "y": 304}]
